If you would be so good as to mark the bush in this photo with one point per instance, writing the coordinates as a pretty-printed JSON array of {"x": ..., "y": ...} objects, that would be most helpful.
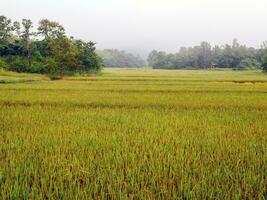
[
  {"x": 38, "y": 67},
  {"x": 264, "y": 67},
  {"x": 3, "y": 63},
  {"x": 249, "y": 64},
  {"x": 18, "y": 64}
]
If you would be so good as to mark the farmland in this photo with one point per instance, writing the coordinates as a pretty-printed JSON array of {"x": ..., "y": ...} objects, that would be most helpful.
[{"x": 135, "y": 134}]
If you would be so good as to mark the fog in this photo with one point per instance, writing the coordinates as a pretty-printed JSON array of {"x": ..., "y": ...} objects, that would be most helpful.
[{"x": 140, "y": 26}]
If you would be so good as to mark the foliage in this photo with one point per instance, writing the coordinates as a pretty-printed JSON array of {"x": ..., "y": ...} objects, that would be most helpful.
[
  {"x": 64, "y": 53},
  {"x": 88, "y": 58},
  {"x": 136, "y": 134},
  {"x": 264, "y": 66},
  {"x": 249, "y": 63},
  {"x": 116, "y": 58},
  {"x": 24, "y": 51},
  {"x": 15, "y": 48},
  {"x": 3, "y": 63},
  {"x": 50, "y": 29},
  {"x": 6, "y": 29},
  {"x": 18, "y": 64},
  {"x": 204, "y": 56}
]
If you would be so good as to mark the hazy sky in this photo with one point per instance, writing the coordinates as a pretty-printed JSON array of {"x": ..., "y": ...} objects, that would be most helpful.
[{"x": 143, "y": 25}]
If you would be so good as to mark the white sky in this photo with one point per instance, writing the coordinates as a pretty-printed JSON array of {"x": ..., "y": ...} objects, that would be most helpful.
[{"x": 142, "y": 25}]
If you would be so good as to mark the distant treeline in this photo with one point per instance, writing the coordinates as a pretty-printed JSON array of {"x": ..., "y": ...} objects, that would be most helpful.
[
  {"x": 47, "y": 50},
  {"x": 116, "y": 58},
  {"x": 234, "y": 56}
]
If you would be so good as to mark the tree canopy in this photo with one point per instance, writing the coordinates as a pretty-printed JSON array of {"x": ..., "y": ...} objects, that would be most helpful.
[
  {"x": 204, "y": 56},
  {"x": 49, "y": 50}
]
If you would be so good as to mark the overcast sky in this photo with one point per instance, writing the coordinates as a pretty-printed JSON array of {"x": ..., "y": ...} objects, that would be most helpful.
[{"x": 142, "y": 25}]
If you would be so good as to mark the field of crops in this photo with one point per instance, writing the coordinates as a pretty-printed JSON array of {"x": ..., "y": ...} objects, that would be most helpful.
[
  {"x": 135, "y": 134},
  {"x": 12, "y": 77}
]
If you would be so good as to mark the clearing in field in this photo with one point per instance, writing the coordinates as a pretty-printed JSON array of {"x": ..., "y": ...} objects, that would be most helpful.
[{"x": 137, "y": 134}]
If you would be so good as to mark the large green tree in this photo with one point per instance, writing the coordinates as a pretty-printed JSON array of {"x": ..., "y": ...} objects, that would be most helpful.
[
  {"x": 26, "y": 34},
  {"x": 88, "y": 59},
  {"x": 64, "y": 54},
  {"x": 204, "y": 55}
]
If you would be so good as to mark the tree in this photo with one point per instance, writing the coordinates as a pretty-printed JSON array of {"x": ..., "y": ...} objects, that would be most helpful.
[
  {"x": 152, "y": 58},
  {"x": 25, "y": 35},
  {"x": 50, "y": 29},
  {"x": 158, "y": 60},
  {"x": 64, "y": 54},
  {"x": 26, "y": 32},
  {"x": 204, "y": 55},
  {"x": 88, "y": 59},
  {"x": 17, "y": 29},
  {"x": 217, "y": 52},
  {"x": 6, "y": 29},
  {"x": 248, "y": 63}
]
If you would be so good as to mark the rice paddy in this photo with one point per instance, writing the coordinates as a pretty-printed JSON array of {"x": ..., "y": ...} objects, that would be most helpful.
[
  {"x": 12, "y": 77},
  {"x": 135, "y": 134}
]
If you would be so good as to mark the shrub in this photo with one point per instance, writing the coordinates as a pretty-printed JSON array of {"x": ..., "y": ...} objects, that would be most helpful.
[
  {"x": 248, "y": 64},
  {"x": 18, "y": 64},
  {"x": 38, "y": 67},
  {"x": 264, "y": 67},
  {"x": 3, "y": 63}
]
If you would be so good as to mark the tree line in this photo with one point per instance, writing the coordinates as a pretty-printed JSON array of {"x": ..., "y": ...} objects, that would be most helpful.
[
  {"x": 117, "y": 58},
  {"x": 47, "y": 50},
  {"x": 235, "y": 56}
]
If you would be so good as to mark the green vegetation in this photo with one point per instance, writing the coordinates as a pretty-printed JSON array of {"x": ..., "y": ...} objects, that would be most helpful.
[
  {"x": 204, "y": 56},
  {"x": 135, "y": 134},
  {"x": 48, "y": 50},
  {"x": 265, "y": 61},
  {"x": 249, "y": 64},
  {"x": 13, "y": 77},
  {"x": 116, "y": 58}
]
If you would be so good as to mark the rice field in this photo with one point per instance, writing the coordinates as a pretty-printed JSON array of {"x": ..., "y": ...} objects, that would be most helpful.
[
  {"x": 135, "y": 134},
  {"x": 12, "y": 77}
]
